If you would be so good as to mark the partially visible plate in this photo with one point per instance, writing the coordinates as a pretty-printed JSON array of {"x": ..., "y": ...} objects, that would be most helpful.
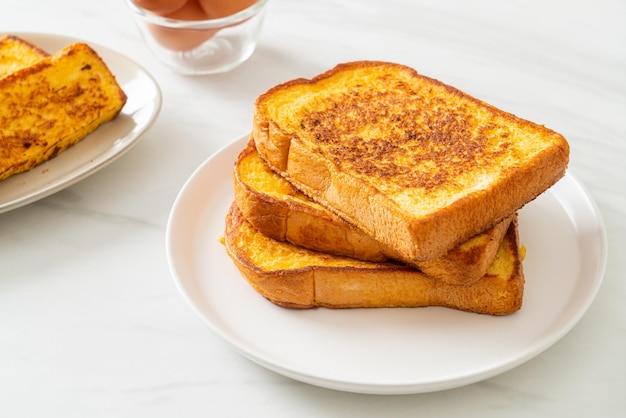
[
  {"x": 388, "y": 351},
  {"x": 101, "y": 147}
]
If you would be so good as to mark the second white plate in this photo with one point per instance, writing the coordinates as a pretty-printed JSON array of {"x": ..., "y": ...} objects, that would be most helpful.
[
  {"x": 101, "y": 147},
  {"x": 388, "y": 351}
]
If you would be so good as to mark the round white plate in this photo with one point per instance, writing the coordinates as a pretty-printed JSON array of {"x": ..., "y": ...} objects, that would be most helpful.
[
  {"x": 388, "y": 351},
  {"x": 99, "y": 148}
]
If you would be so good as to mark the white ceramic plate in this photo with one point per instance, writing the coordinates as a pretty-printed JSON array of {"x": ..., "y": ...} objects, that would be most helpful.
[
  {"x": 99, "y": 148},
  {"x": 388, "y": 351}
]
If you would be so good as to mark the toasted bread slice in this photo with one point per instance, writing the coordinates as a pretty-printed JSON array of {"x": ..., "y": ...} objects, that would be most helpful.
[
  {"x": 295, "y": 277},
  {"x": 418, "y": 165},
  {"x": 17, "y": 53},
  {"x": 52, "y": 104},
  {"x": 277, "y": 209}
]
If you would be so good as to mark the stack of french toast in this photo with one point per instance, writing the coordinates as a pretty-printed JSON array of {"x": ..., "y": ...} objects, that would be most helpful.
[
  {"x": 371, "y": 185},
  {"x": 50, "y": 102}
]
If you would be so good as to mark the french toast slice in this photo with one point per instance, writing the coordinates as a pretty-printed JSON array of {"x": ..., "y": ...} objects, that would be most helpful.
[
  {"x": 277, "y": 209},
  {"x": 17, "y": 53},
  {"x": 53, "y": 104},
  {"x": 418, "y": 165},
  {"x": 295, "y": 277}
]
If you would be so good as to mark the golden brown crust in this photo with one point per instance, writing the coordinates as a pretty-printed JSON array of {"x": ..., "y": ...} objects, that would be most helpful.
[
  {"x": 53, "y": 104},
  {"x": 18, "y": 42},
  {"x": 280, "y": 211},
  {"x": 277, "y": 209},
  {"x": 468, "y": 261},
  {"x": 416, "y": 164},
  {"x": 293, "y": 277},
  {"x": 17, "y": 53}
]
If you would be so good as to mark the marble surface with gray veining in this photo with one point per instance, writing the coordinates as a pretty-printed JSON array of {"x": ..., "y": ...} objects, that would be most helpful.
[{"x": 91, "y": 323}]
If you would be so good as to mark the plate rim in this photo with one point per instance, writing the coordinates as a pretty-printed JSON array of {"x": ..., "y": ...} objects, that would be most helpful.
[
  {"x": 538, "y": 347},
  {"x": 87, "y": 168}
]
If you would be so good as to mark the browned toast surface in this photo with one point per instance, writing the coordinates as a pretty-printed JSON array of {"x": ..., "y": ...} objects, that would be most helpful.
[
  {"x": 17, "y": 53},
  {"x": 52, "y": 104},
  {"x": 296, "y": 277},
  {"x": 277, "y": 209},
  {"x": 418, "y": 165}
]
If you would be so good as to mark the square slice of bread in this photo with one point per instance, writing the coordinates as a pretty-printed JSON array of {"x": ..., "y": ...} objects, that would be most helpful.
[
  {"x": 277, "y": 209},
  {"x": 416, "y": 164},
  {"x": 53, "y": 104},
  {"x": 295, "y": 277}
]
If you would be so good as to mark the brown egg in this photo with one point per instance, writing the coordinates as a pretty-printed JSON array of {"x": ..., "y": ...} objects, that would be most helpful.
[
  {"x": 223, "y": 8},
  {"x": 160, "y": 7},
  {"x": 183, "y": 39}
]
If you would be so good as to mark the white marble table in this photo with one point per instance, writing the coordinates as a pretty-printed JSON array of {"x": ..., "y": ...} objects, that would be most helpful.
[{"x": 91, "y": 323}]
